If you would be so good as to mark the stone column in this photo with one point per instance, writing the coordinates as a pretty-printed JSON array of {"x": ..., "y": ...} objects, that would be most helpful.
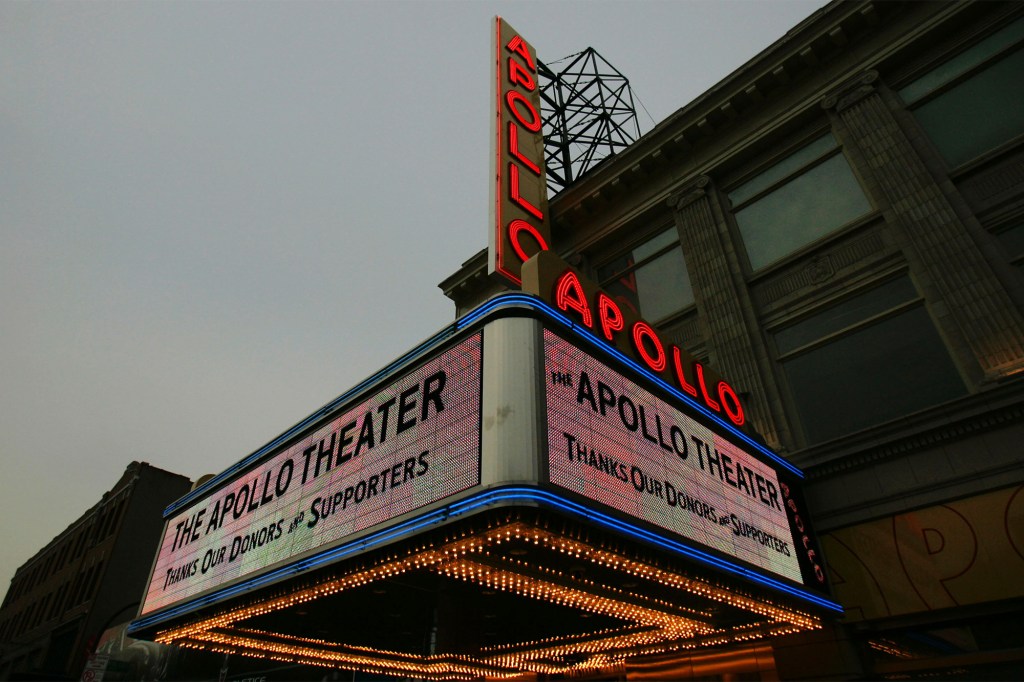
[
  {"x": 726, "y": 312},
  {"x": 969, "y": 303}
]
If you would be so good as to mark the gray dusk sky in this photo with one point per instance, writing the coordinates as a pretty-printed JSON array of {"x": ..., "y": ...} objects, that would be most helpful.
[{"x": 217, "y": 216}]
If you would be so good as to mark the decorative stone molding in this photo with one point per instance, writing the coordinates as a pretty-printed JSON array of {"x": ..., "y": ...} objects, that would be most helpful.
[
  {"x": 868, "y": 247},
  {"x": 943, "y": 432},
  {"x": 726, "y": 317},
  {"x": 998, "y": 182},
  {"x": 820, "y": 270},
  {"x": 685, "y": 333}
]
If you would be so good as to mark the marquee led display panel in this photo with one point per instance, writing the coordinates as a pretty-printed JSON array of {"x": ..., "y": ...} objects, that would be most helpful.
[
  {"x": 412, "y": 443},
  {"x": 614, "y": 442}
]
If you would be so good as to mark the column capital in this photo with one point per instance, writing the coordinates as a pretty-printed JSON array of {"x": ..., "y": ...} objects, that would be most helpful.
[
  {"x": 690, "y": 193},
  {"x": 851, "y": 92}
]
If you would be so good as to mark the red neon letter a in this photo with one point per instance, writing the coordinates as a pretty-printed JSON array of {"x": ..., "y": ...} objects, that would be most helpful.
[
  {"x": 569, "y": 296},
  {"x": 518, "y": 46},
  {"x": 518, "y": 75}
]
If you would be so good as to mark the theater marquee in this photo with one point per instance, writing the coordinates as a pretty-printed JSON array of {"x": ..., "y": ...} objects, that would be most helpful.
[
  {"x": 413, "y": 442},
  {"x": 515, "y": 483}
]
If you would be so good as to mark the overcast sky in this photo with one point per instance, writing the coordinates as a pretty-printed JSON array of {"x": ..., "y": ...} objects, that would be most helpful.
[{"x": 217, "y": 216}]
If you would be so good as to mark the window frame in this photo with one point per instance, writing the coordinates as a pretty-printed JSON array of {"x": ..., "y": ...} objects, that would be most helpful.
[
  {"x": 819, "y": 306},
  {"x": 941, "y": 57},
  {"x": 772, "y": 187},
  {"x": 938, "y": 60},
  {"x": 849, "y": 329},
  {"x": 1016, "y": 222},
  {"x": 804, "y": 141}
]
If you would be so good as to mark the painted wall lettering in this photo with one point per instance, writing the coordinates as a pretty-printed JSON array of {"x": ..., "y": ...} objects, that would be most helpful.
[{"x": 966, "y": 551}]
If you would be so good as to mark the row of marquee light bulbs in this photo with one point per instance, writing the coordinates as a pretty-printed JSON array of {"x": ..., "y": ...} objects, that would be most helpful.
[{"x": 655, "y": 626}]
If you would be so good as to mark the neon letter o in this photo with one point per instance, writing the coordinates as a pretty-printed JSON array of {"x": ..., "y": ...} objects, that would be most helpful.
[
  {"x": 731, "y": 403},
  {"x": 514, "y": 96},
  {"x": 642, "y": 330}
]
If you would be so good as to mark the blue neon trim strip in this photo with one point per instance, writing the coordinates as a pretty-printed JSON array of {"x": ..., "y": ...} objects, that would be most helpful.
[
  {"x": 465, "y": 506},
  {"x": 508, "y": 300}
]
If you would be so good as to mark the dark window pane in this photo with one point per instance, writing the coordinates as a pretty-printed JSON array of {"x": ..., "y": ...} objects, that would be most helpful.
[
  {"x": 810, "y": 206},
  {"x": 653, "y": 246},
  {"x": 979, "y": 114},
  {"x": 880, "y": 372},
  {"x": 787, "y": 166},
  {"x": 964, "y": 62},
  {"x": 663, "y": 286},
  {"x": 623, "y": 291},
  {"x": 1013, "y": 241},
  {"x": 845, "y": 314},
  {"x": 656, "y": 288}
]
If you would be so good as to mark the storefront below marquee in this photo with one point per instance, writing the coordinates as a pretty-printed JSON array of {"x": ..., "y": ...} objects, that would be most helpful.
[{"x": 635, "y": 559}]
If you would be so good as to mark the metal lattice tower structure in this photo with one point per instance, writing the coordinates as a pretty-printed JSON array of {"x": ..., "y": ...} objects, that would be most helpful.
[{"x": 588, "y": 115}]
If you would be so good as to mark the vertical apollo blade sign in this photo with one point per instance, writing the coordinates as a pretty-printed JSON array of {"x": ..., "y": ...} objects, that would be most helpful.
[{"x": 519, "y": 202}]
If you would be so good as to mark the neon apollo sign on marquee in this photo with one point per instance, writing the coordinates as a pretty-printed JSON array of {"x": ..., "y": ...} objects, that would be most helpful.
[
  {"x": 410, "y": 444},
  {"x": 417, "y": 441}
]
